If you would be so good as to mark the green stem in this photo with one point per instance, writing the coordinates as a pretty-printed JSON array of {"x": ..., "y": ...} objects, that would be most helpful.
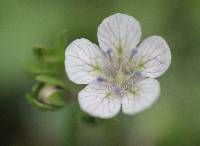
[{"x": 71, "y": 125}]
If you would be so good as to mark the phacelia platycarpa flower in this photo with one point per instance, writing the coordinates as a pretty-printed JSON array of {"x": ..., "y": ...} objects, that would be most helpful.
[{"x": 120, "y": 73}]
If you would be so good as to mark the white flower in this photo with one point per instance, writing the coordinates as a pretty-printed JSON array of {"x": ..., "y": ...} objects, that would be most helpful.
[{"x": 119, "y": 73}]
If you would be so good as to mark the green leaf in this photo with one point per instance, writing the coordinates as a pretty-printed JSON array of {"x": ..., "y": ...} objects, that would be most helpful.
[
  {"x": 39, "y": 51},
  {"x": 41, "y": 106},
  {"x": 37, "y": 68},
  {"x": 56, "y": 100},
  {"x": 51, "y": 80}
]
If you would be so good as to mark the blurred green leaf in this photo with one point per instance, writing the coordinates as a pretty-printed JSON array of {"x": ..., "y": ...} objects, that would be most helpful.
[
  {"x": 56, "y": 100},
  {"x": 41, "y": 106},
  {"x": 39, "y": 51},
  {"x": 37, "y": 68},
  {"x": 51, "y": 80},
  {"x": 88, "y": 119}
]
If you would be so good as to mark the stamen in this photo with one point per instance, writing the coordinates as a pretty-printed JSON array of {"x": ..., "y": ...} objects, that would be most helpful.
[
  {"x": 100, "y": 79},
  {"x": 137, "y": 76},
  {"x": 134, "y": 77},
  {"x": 109, "y": 51},
  {"x": 137, "y": 73},
  {"x": 118, "y": 91},
  {"x": 133, "y": 53}
]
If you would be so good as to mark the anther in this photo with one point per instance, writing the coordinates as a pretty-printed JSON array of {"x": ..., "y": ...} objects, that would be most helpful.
[
  {"x": 100, "y": 79},
  {"x": 109, "y": 51},
  {"x": 137, "y": 73},
  {"x": 134, "y": 51},
  {"x": 118, "y": 91},
  {"x": 137, "y": 76}
]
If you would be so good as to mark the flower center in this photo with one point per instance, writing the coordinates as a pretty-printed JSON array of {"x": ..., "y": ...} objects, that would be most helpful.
[
  {"x": 121, "y": 77},
  {"x": 120, "y": 74}
]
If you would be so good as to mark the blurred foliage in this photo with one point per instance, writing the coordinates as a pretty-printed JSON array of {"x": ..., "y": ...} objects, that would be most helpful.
[
  {"x": 173, "y": 120},
  {"x": 47, "y": 68}
]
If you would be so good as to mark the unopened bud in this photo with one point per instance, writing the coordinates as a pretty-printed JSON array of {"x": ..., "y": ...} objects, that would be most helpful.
[{"x": 46, "y": 92}]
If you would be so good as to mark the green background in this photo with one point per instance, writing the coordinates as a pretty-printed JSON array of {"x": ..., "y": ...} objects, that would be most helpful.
[{"x": 172, "y": 121}]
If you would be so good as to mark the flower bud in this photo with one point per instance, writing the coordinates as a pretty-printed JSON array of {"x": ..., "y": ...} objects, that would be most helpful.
[{"x": 46, "y": 92}]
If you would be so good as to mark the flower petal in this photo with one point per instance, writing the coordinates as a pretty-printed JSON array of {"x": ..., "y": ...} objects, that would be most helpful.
[
  {"x": 153, "y": 57},
  {"x": 141, "y": 96},
  {"x": 119, "y": 32},
  {"x": 83, "y": 61},
  {"x": 98, "y": 101}
]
